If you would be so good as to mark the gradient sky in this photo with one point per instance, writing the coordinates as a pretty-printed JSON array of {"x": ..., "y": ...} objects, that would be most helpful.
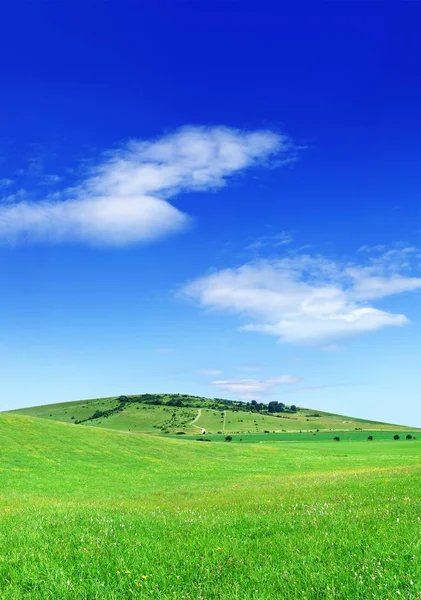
[{"x": 218, "y": 198}]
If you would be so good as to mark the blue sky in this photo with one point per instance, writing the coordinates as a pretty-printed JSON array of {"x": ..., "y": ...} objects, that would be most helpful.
[{"x": 220, "y": 198}]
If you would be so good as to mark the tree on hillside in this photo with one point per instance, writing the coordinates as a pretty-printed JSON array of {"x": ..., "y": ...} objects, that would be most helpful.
[
  {"x": 122, "y": 399},
  {"x": 175, "y": 402},
  {"x": 276, "y": 407},
  {"x": 370, "y": 437},
  {"x": 336, "y": 439},
  {"x": 293, "y": 408},
  {"x": 396, "y": 437},
  {"x": 228, "y": 438}
]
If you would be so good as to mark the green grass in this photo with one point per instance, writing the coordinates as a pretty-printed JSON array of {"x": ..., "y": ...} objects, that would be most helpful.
[
  {"x": 145, "y": 418},
  {"x": 211, "y": 420},
  {"x": 245, "y": 422},
  {"x": 142, "y": 418},
  {"x": 93, "y": 513},
  {"x": 64, "y": 411}
]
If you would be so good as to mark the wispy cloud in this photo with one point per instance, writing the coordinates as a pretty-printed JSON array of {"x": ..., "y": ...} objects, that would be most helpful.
[
  {"x": 51, "y": 179},
  {"x": 20, "y": 195},
  {"x": 35, "y": 163},
  {"x": 125, "y": 198},
  {"x": 5, "y": 182},
  {"x": 308, "y": 299},
  {"x": 252, "y": 389},
  {"x": 265, "y": 242}
]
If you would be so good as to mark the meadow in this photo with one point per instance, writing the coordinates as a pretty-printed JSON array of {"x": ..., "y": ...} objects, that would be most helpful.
[{"x": 90, "y": 513}]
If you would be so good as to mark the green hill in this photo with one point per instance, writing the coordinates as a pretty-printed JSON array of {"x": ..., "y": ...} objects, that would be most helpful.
[
  {"x": 170, "y": 414},
  {"x": 93, "y": 513}
]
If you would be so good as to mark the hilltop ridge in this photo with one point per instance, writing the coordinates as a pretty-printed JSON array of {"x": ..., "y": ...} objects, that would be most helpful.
[{"x": 176, "y": 414}]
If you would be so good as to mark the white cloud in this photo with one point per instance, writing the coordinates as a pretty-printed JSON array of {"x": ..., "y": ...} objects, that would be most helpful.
[
  {"x": 125, "y": 199},
  {"x": 252, "y": 389},
  {"x": 306, "y": 299}
]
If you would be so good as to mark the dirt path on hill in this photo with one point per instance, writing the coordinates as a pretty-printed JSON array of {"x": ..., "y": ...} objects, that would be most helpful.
[{"x": 199, "y": 414}]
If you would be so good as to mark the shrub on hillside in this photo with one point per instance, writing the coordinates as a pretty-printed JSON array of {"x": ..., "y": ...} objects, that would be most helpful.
[{"x": 122, "y": 399}]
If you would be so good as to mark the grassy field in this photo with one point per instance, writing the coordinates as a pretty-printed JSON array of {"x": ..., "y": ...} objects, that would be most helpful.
[
  {"x": 322, "y": 436},
  {"x": 93, "y": 513}
]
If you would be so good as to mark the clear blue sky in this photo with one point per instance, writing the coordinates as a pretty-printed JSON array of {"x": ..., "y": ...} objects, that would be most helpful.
[{"x": 220, "y": 198}]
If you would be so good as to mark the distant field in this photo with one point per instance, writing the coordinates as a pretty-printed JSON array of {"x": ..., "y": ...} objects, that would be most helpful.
[
  {"x": 90, "y": 513},
  {"x": 322, "y": 436}
]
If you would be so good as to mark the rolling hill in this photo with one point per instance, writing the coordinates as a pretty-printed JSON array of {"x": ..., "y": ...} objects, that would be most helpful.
[
  {"x": 181, "y": 414},
  {"x": 87, "y": 512}
]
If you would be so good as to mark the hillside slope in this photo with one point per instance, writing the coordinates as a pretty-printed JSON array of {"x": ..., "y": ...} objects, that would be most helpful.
[
  {"x": 181, "y": 413},
  {"x": 92, "y": 513},
  {"x": 42, "y": 458}
]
